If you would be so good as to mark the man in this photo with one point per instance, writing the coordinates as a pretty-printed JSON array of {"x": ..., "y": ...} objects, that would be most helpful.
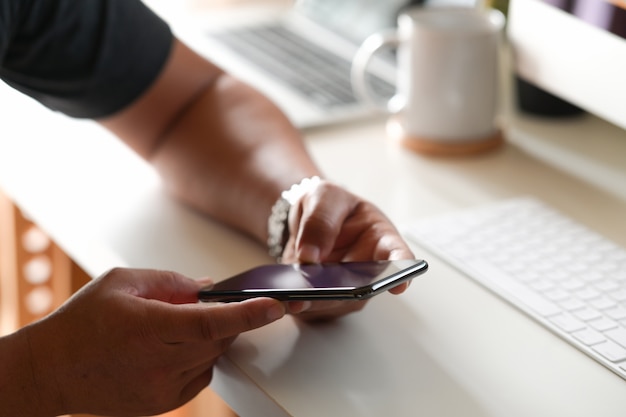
[{"x": 136, "y": 342}]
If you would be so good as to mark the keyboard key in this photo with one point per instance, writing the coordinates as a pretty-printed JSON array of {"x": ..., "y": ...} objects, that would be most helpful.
[
  {"x": 588, "y": 294},
  {"x": 589, "y": 336},
  {"x": 573, "y": 284},
  {"x": 572, "y": 304},
  {"x": 567, "y": 323},
  {"x": 603, "y": 324},
  {"x": 618, "y": 335},
  {"x": 617, "y": 313},
  {"x": 526, "y": 275},
  {"x": 618, "y": 295},
  {"x": 611, "y": 351},
  {"x": 587, "y": 314},
  {"x": 558, "y": 295},
  {"x": 592, "y": 276},
  {"x": 607, "y": 286},
  {"x": 541, "y": 285},
  {"x": 602, "y": 303}
]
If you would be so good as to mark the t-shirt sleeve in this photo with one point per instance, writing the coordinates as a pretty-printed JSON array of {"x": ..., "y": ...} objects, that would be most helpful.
[{"x": 85, "y": 58}]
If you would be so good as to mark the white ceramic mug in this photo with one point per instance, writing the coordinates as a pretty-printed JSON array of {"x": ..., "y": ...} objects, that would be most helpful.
[{"x": 447, "y": 77}]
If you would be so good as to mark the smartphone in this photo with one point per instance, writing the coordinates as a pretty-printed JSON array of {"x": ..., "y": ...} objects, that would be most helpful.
[{"x": 325, "y": 281}]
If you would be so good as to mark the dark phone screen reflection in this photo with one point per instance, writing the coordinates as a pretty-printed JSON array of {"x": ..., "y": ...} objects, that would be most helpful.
[{"x": 298, "y": 276}]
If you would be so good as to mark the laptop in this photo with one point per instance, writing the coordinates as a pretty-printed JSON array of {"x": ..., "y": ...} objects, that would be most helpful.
[{"x": 301, "y": 57}]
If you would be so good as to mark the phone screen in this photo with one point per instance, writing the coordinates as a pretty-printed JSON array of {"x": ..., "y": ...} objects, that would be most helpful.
[{"x": 348, "y": 280}]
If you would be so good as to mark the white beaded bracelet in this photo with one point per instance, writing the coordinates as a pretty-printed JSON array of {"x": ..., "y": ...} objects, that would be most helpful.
[{"x": 277, "y": 227}]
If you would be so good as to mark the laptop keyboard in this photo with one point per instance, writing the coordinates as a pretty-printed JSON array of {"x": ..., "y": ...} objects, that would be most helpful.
[
  {"x": 312, "y": 71},
  {"x": 567, "y": 277}
]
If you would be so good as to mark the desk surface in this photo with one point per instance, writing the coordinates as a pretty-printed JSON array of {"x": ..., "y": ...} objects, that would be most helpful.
[{"x": 447, "y": 347}]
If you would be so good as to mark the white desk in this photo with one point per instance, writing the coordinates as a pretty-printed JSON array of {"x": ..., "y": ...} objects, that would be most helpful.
[{"x": 447, "y": 347}]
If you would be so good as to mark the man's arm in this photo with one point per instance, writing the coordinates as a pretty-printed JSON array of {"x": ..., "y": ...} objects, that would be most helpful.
[
  {"x": 226, "y": 150},
  {"x": 221, "y": 147}
]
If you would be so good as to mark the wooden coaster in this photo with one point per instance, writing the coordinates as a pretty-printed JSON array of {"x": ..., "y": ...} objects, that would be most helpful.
[{"x": 439, "y": 148}]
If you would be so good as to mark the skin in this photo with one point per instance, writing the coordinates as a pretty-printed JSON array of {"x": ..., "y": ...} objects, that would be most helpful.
[
  {"x": 136, "y": 342},
  {"x": 132, "y": 342}
]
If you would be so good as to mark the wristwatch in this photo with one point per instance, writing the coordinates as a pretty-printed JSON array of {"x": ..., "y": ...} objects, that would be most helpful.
[{"x": 277, "y": 227}]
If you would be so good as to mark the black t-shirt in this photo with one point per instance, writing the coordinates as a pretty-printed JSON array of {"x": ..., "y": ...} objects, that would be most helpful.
[{"x": 85, "y": 58}]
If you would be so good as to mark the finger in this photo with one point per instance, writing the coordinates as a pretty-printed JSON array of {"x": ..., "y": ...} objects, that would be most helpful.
[
  {"x": 297, "y": 307},
  {"x": 216, "y": 322},
  {"x": 322, "y": 215},
  {"x": 167, "y": 286},
  {"x": 399, "y": 289},
  {"x": 393, "y": 247},
  {"x": 369, "y": 235}
]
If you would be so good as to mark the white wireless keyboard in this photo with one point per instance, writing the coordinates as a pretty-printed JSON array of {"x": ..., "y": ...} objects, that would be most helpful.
[{"x": 567, "y": 277}]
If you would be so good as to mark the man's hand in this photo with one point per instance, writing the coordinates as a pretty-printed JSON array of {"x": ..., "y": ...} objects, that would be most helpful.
[
  {"x": 331, "y": 224},
  {"x": 136, "y": 342}
]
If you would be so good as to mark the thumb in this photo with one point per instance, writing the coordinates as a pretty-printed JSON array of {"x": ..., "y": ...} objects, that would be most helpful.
[
  {"x": 167, "y": 286},
  {"x": 201, "y": 322}
]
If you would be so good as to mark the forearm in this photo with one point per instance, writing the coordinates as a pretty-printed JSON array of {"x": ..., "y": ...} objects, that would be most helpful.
[
  {"x": 231, "y": 154},
  {"x": 219, "y": 145}
]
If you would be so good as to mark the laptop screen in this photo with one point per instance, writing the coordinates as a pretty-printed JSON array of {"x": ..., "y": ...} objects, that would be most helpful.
[{"x": 355, "y": 19}]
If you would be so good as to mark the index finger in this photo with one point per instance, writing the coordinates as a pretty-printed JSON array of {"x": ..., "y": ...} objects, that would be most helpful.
[{"x": 321, "y": 215}]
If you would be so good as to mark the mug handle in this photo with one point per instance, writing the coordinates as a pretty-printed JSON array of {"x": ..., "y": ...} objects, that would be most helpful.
[{"x": 360, "y": 63}]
